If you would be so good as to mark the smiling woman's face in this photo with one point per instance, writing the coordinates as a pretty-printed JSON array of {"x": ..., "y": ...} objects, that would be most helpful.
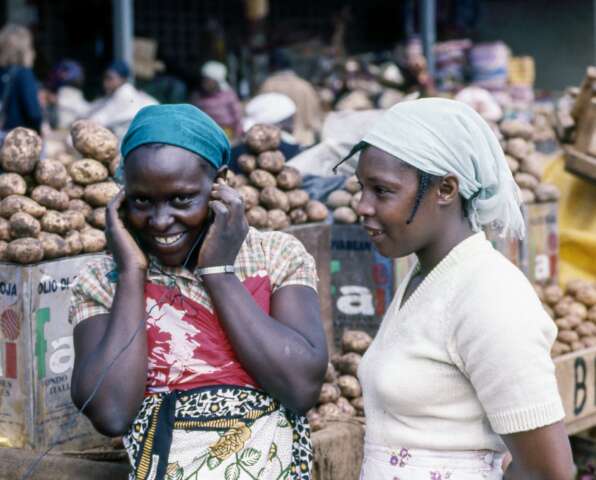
[{"x": 167, "y": 191}]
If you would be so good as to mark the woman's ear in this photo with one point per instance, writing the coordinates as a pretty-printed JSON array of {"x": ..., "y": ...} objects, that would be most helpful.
[{"x": 448, "y": 190}]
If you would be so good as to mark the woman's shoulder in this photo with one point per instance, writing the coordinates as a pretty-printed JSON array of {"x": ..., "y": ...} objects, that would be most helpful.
[
  {"x": 272, "y": 241},
  {"x": 99, "y": 269}
]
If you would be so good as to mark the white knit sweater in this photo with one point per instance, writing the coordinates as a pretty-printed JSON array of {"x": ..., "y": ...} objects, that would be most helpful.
[{"x": 465, "y": 359}]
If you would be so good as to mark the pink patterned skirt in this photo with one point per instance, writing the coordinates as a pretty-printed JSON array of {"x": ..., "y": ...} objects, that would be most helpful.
[{"x": 381, "y": 463}]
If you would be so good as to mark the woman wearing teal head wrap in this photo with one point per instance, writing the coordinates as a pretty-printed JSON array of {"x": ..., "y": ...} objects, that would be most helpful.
[{"x": 210, "y": 334}]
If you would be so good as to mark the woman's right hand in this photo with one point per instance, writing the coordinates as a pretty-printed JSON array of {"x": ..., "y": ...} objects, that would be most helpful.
[{"x": 126, "y": 251}]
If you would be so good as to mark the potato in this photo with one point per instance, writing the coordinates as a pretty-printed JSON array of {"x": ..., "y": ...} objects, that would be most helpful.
[
  {"x": 316, "y": 211},
  {"x": 25, "y": 250},
  {"x": 560, "y": 349},
  {"x": 329, "y": 393},
  {"x": 355, "y": 201},
  {"x": 513, "y": 163},
  {"x": 93, "y": 240},
  {"x": 54, "y": 246},
  {"x": 518, "y": 148},
  {"x": 88, "y": 171},
  {"x": 349, "y": 386},
  {"x": 94, "y": 141},
  {"x": 4, "y": 230},
  {"x": 577, "y": 346},
  {"x": 261, "y": 138},
  {"x": 568, "y": 336},
  {"x": 74, "y": 244},
  {"x": 55, "y": 222},
  {"x": 20, "y": 151},
  {"x": 589, "y": 342},
  {"x": 50, "y": 197},
  {"x": 297, "y": 198},
  {"x": 527, "y": 196},
  {"x": 262, "y": 179},
  {"x": 239, "y": 180},
  {"x": 330, "y": 411},
  {"x": 331, "y": 373},
  {"x": 572, "y": 320},
  {"x": 358, "y": 404},
  {"x": 23, "y": 225},
  {"x": 316, "y": 421},
  {"x": 12, "y": 184},
  {"x": 546, "y": 192},
  {"x": 271, "y": 161},
  {"x": 533, "y": 164},
  {"x": 298, "y": 216},
  {"x": 3, "y": 251},
  {"x": 552, "y": 294},
  {"x": 352, "y": 184},
  {"x": 348, "y": 363},
  {"x": 277, "y": 219},
  {"x": 98, "y": 218},
  {"x": 272, "y": 197},
  {"x": 355, "y": 341},
  {"x": 289, "y": 178},
  {"x": 247, "y": 163},
  {"x": 250, "y": 196},
  {"x": 51, "y": 173},
  {"x": 517, "y": 128},
  {"x": 18, "y": 203},
  {"x": 257, "y": 217},
  {"x": 80, "y": 206},
  {"x": 586, "y": 295},
  {"x": 73, "y": 190},
  {"x": 526, "y": 181},
  {"x": 100, "y": 194},
  {"x": 574, "y": 286},
  {"x": 592, "y": 314},
  {"x": 346, "y": 407},
  {"x": 64, "y": 158},
  {"x": 578, "y": 309},
  {"x": 339, "y": 198},
  {"x": 585, "y": 330},
  {"x": 562, "y": 324},
  {"x": 344, "y": 215}
]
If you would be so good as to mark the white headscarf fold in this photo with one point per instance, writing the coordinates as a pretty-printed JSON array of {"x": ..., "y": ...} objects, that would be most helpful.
[{"x": 441, "y": 136}]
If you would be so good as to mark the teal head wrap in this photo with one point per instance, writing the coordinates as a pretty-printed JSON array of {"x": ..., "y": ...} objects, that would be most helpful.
[{"x": 181, "y": 125}]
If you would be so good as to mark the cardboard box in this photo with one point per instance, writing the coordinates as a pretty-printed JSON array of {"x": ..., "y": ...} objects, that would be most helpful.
[{"x": 542, "y": 242}]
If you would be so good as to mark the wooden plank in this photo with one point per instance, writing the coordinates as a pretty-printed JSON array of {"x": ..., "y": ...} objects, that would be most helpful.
[
  {"x": 316, "y": 239},
  {"x": 338, "y": 451},
  {"x": 580, "y": 164},
  {"x": 576, "y": 378}
]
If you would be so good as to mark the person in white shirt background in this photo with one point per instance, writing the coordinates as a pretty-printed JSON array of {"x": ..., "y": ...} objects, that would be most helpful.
[
  {"x": 460, "y": 372},
  {"x": 121, "y": 102},
  {"x": 65, "y": 83}
]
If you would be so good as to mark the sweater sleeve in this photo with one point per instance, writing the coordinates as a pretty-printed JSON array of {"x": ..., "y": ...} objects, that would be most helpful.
[{"x": 501, "y": 340}]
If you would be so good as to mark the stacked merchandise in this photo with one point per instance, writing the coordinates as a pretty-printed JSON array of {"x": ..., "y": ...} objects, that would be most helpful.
[
  {"x": 526, "y": 165},
  {"x": 488, "y": 65},
  {"x": 341, "y": 394},
  {"x": 451, "y": 58},
  {"x": 343, "y": 202},
  {"x": 54, "y": 208},
  {"x": 574, "y": 311},
  {"x": 270, "y": 189}
]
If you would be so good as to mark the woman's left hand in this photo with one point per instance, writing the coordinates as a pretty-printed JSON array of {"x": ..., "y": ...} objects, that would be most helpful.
[{"x": 228, "y": 230}]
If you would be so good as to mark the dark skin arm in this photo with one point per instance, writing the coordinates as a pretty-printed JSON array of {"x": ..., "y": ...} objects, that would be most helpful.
[
  {"x": 99, "y": 339},
  {"x": 286, "y": 352},
  {"x": 541, "y": 454}
]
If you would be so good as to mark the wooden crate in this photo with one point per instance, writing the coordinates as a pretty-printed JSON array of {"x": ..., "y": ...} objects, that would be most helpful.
[{"x": 580, "y": 164}]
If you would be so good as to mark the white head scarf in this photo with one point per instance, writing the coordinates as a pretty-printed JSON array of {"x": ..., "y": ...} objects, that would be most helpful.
[
  {"x": 216, "y": 71},
  {"x": 440, "y": 136},
  {"x": 269, "y": 108}
]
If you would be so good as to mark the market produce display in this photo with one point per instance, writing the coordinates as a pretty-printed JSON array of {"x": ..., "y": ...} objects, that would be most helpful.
[
  {"x": 573, "y": 309},
  {"x": 525, "y": 163},
  {"x": 55, "y": 207},
  {"x": 341, "y": 394},
  {"x": 271, "y": 189},
  {"x": 344, "y": 202}
]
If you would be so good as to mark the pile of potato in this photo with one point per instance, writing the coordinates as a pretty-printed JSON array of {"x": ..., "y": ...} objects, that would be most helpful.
[
  {"x": 574, "y": 311},
  {"x": 343, "y": 202},
  {"x": 55, "y": 207},
  {"x": 341, "y": 394},
  {"x": 271, "y": 189},
  {"x": 525, "y": 163}
]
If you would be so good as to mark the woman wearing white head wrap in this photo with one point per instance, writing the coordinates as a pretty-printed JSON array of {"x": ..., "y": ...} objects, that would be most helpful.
[{"x": 460, "y": 370}]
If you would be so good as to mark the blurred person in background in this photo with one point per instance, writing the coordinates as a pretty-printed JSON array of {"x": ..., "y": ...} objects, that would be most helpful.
[
  {"x": 19, "y": 89},
  {"x": 218, "y": 100},
  {"x": 121, "y": 102},
  {"x": 273, "y": 109},
  {"x": 66, "y": 99},
  {"x": 308, "y": 104}
]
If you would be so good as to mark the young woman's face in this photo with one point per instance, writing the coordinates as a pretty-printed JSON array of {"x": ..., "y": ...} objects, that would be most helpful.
[
  {"x": 389, "y": 188},
  {"x": 167, "y": 191}
]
